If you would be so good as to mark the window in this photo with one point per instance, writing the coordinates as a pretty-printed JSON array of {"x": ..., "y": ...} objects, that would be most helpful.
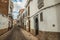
[
  {"x": 28, "y": 10},
  {"x": 41, "y": 16},
  {"x": 40, "y": 3},
  {"x": 23, "y": 15}
]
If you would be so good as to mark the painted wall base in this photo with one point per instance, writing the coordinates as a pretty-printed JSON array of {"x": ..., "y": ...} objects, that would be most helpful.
[
  {"x": 2, "y": 31},
  {"x": 47, "y": 35}
]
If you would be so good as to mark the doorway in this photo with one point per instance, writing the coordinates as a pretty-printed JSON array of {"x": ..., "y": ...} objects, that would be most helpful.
[
  {"x": 36, "y": 24},
  {"x": 29, "y": 25}
]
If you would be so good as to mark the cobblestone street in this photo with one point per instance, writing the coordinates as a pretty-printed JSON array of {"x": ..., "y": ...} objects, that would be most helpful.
[{"x": 17, "y": 33}]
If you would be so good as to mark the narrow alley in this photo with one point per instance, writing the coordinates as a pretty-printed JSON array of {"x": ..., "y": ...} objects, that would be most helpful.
[
  {"x": 17, "y": 33},
  {"x": 29, "y": 19}
]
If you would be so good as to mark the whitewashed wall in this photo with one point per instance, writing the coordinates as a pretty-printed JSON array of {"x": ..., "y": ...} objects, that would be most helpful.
[
  {"x": 50, "y": 16},
  {"x": 49, "y": 19},
  {"x": 3, "y": 22},
  {"x": 50, "y": 2},
  {"x": 33, "y": 7},
  {"x": 33, "y": 10},
  {"x": 58, "y": 17}
]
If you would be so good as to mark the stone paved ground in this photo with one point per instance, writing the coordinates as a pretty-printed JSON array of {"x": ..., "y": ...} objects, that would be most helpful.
[
  {"x": 28, "y": 35},
  {"x": 17, "y": 33}
]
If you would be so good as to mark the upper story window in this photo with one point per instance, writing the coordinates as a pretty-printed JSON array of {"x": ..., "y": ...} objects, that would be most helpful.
[
  {"x": 41, "y": 16},
  {"x": 40, "y": 3}
]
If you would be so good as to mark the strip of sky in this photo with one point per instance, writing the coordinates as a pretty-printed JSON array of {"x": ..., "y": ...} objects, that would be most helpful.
[{"x": 17, "y": 0}]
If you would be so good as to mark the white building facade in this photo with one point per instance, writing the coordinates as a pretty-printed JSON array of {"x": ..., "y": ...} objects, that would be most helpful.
[{"x": 44, "y": 19}]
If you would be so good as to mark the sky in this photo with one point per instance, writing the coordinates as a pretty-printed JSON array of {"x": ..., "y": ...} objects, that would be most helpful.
[{"x": 18, "y": 4}]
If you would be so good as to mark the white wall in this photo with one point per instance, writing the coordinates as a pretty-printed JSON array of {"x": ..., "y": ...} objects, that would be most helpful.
[
  {"x": 50, "y": 16},
  {"x": 3, "y": 22},
  {"x": 33, "y": 7},
  {"x": 50, "y": 2},
  {"x": 32, "y": 23},
  {"x": 58, "y": 16},
  {"x": 33, "y": 10}
]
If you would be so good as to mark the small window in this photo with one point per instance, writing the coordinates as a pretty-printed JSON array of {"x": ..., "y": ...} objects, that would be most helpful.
[
  {"x": 40, "y": 3},
  {"x": 41, "y": 16}
]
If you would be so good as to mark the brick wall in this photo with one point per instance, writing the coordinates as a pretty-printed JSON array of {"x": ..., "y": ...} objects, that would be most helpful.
[{"x": 4, "y": 6}]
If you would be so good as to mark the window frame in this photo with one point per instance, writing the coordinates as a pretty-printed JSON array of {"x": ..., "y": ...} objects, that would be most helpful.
[{"x": 40, "y": 4}]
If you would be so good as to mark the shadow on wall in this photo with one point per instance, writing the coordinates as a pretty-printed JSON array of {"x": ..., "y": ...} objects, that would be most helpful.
[{"x": 58, "y": 18}]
